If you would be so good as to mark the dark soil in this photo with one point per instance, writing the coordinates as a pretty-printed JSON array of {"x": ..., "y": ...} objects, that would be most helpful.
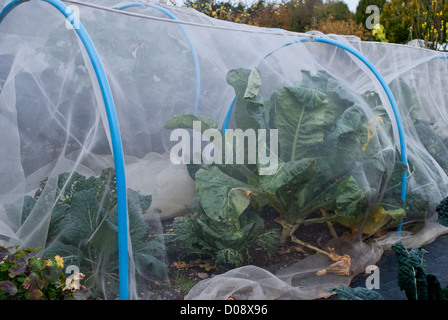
[
  {"x": 185, "y": 272},
  {"x": 436, "y": 261}
]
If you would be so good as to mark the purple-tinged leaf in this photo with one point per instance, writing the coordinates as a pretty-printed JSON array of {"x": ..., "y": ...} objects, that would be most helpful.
[
  {"x": 34, "y": 282},
  {"x": 13, "y": 272},
  {"x": 35, "y": 295},
  {"x": 3, "y": 253},
  {"x": 9, "y": 287}
]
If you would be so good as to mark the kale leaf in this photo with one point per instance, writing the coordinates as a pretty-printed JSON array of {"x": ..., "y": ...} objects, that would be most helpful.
[{"x": 84, "y": 229}]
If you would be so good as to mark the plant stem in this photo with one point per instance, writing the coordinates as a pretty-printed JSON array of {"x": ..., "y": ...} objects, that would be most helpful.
[
  {"x": 329, "y": 224},
  {"x": 300, "y": 242},
  {"x": 285, "y": 222},
  {"x": 328, "y": 218},
  {"x": 286, "y": 232}
]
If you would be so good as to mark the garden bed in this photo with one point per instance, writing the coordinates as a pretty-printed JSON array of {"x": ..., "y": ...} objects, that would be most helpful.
[{"x": 184, "y": 273}]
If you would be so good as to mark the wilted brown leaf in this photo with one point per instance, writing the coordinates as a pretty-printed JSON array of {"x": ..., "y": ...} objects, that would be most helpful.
[
  {"x": 180, "y": 265},
  {"x": 340, "y": 267},
  {"x": 204, "y": 264}
]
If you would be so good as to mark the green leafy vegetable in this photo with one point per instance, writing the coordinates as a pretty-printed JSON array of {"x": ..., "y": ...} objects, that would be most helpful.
[
  {"x": 186, "y": 122},
  {"x": 429, "y": 154},
  {"x": 302, "y": 133},
  {"x": 348, "y": 293},
  {"x": 411, "y": 271},
  {"x": 412, "y": 276},
  {"x": 225, "y": 241},
  {"x": 327, "y": 147},
  {"x": 84, "y": 231},
  {"x": 412, "y": 279},
  {"x": 246, "y": 83},
  {"x": 442, "y": 211},
  {"x": 222, "y": 196},
  {"x": 331, "y": 155}
]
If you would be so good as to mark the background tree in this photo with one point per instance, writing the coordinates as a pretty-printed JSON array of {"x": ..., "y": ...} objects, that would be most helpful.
[
  {"x": 334, "y": 16},
  {"x": 397, "y": 20},
  {"x": 302, "y": 14},
  {"x": 416, "y": 19},
  {"x": 223, "y": 10},
  {"x": 336, "y": 10},
  {"x": 343, "y": 27},
  {"x": 361, "y": 15},
  {"x": 271, "y": 15},
  {"x": 430, "y": 23}
]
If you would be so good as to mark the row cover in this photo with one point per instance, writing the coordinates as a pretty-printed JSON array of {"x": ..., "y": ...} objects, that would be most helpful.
[{"x": 332, "y": 148}]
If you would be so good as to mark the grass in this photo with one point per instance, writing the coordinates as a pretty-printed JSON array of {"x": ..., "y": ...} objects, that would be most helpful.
[{"x": 182, "y": 282}]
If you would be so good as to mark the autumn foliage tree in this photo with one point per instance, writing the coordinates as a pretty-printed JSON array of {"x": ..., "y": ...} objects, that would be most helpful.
[
  {"x": 272, "y": 16},
  {"x": 334, "y": 17},
  {"x": 416, "y": 19},
  {"x": 294, "y": 15},
  {"x": 343, "y": 27},
  {"x": 430, "y": 23},
  {"x": 400, "y": 21},
  {"x": 223, "y": 10}
]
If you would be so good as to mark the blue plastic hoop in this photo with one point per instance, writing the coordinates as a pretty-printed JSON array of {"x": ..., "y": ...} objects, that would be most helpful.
[{"x": 117, "y": 147}]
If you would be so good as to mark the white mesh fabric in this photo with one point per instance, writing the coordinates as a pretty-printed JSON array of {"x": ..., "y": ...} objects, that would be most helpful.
[{"x": 53, "y": 121}]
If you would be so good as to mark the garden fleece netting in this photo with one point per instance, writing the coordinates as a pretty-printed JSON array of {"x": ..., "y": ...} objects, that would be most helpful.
[{"x": 342, "y": 137}]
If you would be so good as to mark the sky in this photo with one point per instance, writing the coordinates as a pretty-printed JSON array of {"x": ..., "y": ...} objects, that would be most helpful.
[{"x": 352, "y": 4}]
